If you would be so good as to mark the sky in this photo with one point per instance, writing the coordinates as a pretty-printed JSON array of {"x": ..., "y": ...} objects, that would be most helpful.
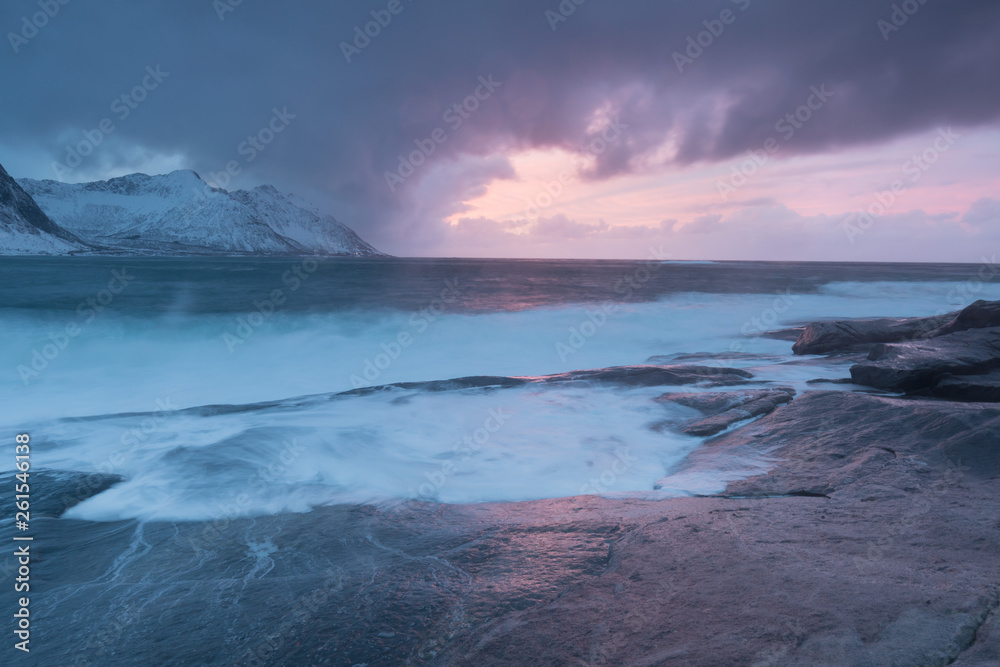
[{"x": 856, "y": 130}]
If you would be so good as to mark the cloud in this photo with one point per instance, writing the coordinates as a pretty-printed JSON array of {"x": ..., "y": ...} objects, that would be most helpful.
[
  {"x": 983, "y": 214},
  {"x": 355, "y": 119},
  {"x": 765, "y": 232},
  {"x": 703, "y": 224}
]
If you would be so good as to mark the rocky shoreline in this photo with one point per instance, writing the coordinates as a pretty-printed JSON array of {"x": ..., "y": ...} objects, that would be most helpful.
[{"x": 859, "y": 528}]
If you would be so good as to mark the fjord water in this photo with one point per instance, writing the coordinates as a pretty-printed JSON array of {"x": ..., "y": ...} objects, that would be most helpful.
[{"x": 216, "y": 387}]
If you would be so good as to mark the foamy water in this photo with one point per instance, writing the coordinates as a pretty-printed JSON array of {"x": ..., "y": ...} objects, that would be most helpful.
[{"x": 273, "y": 453}]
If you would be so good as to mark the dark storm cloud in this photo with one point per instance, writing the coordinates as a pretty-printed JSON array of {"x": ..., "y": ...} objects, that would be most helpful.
[{"x": 353, "y": 120}]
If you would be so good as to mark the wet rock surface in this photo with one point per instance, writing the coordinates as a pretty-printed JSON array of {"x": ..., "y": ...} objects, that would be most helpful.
[
  {"x": 825, "y": 442},
  {"x": 950, "y": 356},
  {"x": 847, "y": 335},
  {"x": 852, "y": 335},
  {"x": 984, "y": 387},
  {"x": 844, "y": 528},
  {"x": 723, "y": 409},
  {"x": 53, "y": 492},
  {"x": 978, "y": 315},
  {"x": 652, "y": 376},
  {"x": 645, "y": 375},
  {"x": 922, "y": 364},
  {"x": 872, "y": 539},
  {"x": 891, "y": 565}
]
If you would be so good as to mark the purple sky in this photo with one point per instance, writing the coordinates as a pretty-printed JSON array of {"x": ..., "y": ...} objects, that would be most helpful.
[{"x": 728, "y": 129}]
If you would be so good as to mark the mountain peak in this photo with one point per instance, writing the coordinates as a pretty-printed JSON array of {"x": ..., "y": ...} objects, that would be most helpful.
[
  {"x": 174, "y": 213},
  {"x": 183, "y": 175},
  {"x": 180, "y": 178}
]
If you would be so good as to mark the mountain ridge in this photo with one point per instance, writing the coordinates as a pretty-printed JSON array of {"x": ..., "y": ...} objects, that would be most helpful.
[
  {"x": 180, "y": 214},
  {"x": 25, "y": 228}
]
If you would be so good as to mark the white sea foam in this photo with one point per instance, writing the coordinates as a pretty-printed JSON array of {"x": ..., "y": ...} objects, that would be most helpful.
[
  {"x": 398, "y": 444},
  {"x": 465, "y": 446}
]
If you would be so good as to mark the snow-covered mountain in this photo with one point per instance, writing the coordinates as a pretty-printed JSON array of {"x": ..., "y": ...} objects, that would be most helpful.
[
  {"x": 178, "y": 213},
  {"x": 25, "y": 229},
  {"x": 297, "y": 220}
]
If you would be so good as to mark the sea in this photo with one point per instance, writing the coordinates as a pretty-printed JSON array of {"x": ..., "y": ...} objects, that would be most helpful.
[{"x": 241, "y": 387}]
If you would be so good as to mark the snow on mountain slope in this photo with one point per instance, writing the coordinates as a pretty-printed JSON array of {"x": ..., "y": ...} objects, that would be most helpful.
[
  {"x": 297, "y": 220},
  {"x": 176, "y": 212},
  {"x": 180, "y": 213},
  {"x": 25, "y": 229}
]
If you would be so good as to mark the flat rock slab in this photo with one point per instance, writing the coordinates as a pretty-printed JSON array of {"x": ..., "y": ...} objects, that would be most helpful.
[
  {"x": 984, "y": 388},
  {"x": 643, "y": 375},
  {"x": 922, "y": 364},
  {"x": 849, "y": 335},
  {"x": 896, "y": 566},
  {"x": 455, "y": 384},
  {"x": 53, "y": 492},
  {"x": 830, "y": 381},
  {"x": 723, "y": 409},
  {"x": 824, "y": 442},
  {"x": 654, "y": 376},
  {"x": 713, "y": 356},
  {"x": 798, "y": 582}
]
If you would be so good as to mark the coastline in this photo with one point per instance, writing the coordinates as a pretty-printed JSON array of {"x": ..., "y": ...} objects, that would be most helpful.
[{"x": 870, "y": 539}]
